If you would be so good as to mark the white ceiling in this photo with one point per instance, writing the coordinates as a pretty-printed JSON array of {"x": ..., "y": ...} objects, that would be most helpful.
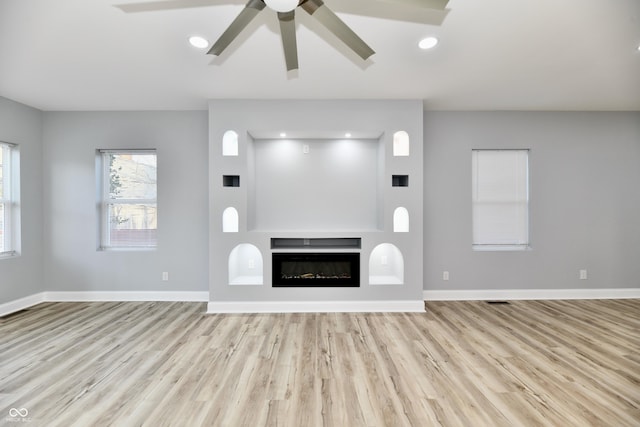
[{"x": 493, "y": 55}]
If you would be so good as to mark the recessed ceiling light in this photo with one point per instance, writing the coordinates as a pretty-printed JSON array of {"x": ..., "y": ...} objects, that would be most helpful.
[
  {"x": 199, "y": 42},
  {"x": 347, "y": 135},
  {"x": 282, "y": 134},
  {"x": 428, "y": 43}
]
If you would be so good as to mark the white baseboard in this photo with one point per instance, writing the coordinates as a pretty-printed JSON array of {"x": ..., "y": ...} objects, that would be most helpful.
[
  {"x": 322, "y": 306},
  {"x": 531, "y": 294},
  {"x": 316, "y": 307},
  {"x": 31, "y": 300},
  {"x": 217, "y": 307},
  {"x": 22, "y": 303},
  {"x": 127, "y": 296}
]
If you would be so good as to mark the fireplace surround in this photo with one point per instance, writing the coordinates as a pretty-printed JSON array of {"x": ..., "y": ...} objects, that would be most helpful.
[{"x": 315, "y": 191}]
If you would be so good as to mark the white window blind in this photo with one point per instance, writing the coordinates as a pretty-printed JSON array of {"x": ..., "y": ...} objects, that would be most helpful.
[
  {"x": 7, "y": 199},
  {"x": 129, "y": 199},
  {"x": 500, "y": 199}
]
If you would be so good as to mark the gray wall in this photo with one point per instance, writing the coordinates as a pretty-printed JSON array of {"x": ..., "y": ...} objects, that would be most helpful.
[
  {"x": 21, "y": 276},
  {"x": 584, "y": 200},
  {"x": 72, "y": 262}
]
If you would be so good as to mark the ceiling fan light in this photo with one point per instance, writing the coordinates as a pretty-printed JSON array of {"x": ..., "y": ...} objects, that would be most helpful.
[
  {"x": 282, "y": 5},
  {"x": 428, "y": 43}
]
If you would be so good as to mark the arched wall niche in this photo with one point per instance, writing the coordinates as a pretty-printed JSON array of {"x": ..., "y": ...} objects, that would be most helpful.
[
  {"x": 401, "y": 220},
  {"x": 230, "y": 143},
  {"x": 245, "y": 265},
  {"x": 230, "y": 220},
  {"x": 401, "y": 143},
  {"x": 386, "y": 265}
]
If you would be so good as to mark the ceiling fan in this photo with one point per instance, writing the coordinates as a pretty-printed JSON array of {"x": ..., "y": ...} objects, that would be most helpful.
[{"x": 286, "y": 10}]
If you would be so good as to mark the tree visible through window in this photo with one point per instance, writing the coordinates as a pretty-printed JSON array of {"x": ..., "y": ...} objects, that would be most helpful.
[{"x": 130, "y": 214}]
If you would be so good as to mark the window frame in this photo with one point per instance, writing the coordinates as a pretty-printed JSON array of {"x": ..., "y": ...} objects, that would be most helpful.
[
  {"x": 105, "y": 201},
  {"x": 10, "y": 199},
  {"x": 513, "y": 246}
]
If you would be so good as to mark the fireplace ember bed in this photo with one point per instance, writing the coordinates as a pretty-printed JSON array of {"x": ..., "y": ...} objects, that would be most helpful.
[{"x": 316, "y": 269}]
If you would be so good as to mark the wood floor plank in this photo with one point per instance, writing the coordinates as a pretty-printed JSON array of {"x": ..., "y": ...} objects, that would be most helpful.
[{"x": 527, "y": 363}]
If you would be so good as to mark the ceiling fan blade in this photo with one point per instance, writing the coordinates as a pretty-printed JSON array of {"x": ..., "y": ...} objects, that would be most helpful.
[
  {"x": 429, "y": 4},
  {"x": 388, "y": 10},
  {"x": 246, "y": 16},
  {"x": 150, "y": 6},
  {"x": 288, "y": 32},
  {"x": 326, "y": 17}
]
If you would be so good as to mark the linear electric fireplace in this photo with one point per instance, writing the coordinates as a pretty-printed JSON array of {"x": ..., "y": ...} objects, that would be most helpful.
[{"x": 316, "y": 270}]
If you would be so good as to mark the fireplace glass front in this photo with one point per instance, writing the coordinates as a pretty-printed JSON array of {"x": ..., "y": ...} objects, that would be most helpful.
[{"x": 316, "y": 270}]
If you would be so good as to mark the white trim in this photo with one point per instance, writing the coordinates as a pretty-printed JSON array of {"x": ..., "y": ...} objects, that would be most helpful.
[
  {"x": 31, "y": 300},
  {"x": 127, "y": 296},
  {"x": 137, "y": 151},
  {"x": 217, "y": 307},
  {"x": 315, "y": 306},
  {"x": 22, "y": 303},
  {"x": 321, "y": 306},
  {"x": 531, "y": 294},
  {"x": 500, "y": 248}
]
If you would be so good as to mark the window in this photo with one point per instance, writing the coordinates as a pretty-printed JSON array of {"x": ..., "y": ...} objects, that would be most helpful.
[
  {"x": 500, "y": 199},
  {"x": 8, "y": 199},
  {"x": 129, "y": 206}
]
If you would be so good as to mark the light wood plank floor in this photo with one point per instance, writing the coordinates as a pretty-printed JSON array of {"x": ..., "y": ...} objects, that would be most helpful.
[{"x": 529, "y": 363}]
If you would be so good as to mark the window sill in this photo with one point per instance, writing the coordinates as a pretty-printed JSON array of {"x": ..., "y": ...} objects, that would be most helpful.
[
  {"x": 8, "y": 255},
  {"x": 127, "y": 249},
  {"x": 501, "y": 248}
]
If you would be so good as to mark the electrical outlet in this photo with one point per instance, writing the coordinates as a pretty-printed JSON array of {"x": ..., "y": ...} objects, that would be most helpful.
[
  {"x": 445, "y": 275},
  {"x": 252, "y": 264},
  {"x": 165, "y": 276},
  {"x": 305, "y": 149},
  {"x": 583, "y": 274}
]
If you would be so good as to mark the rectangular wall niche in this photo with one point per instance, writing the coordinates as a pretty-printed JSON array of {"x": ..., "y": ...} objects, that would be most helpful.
[
  {"x": 334, "y": 187},
  {"x": 316, "y": 270},
  {"x": 400, "y": 180},
  {"x": 231, "y": 180},
  {"x": 316, "y": 243}
]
